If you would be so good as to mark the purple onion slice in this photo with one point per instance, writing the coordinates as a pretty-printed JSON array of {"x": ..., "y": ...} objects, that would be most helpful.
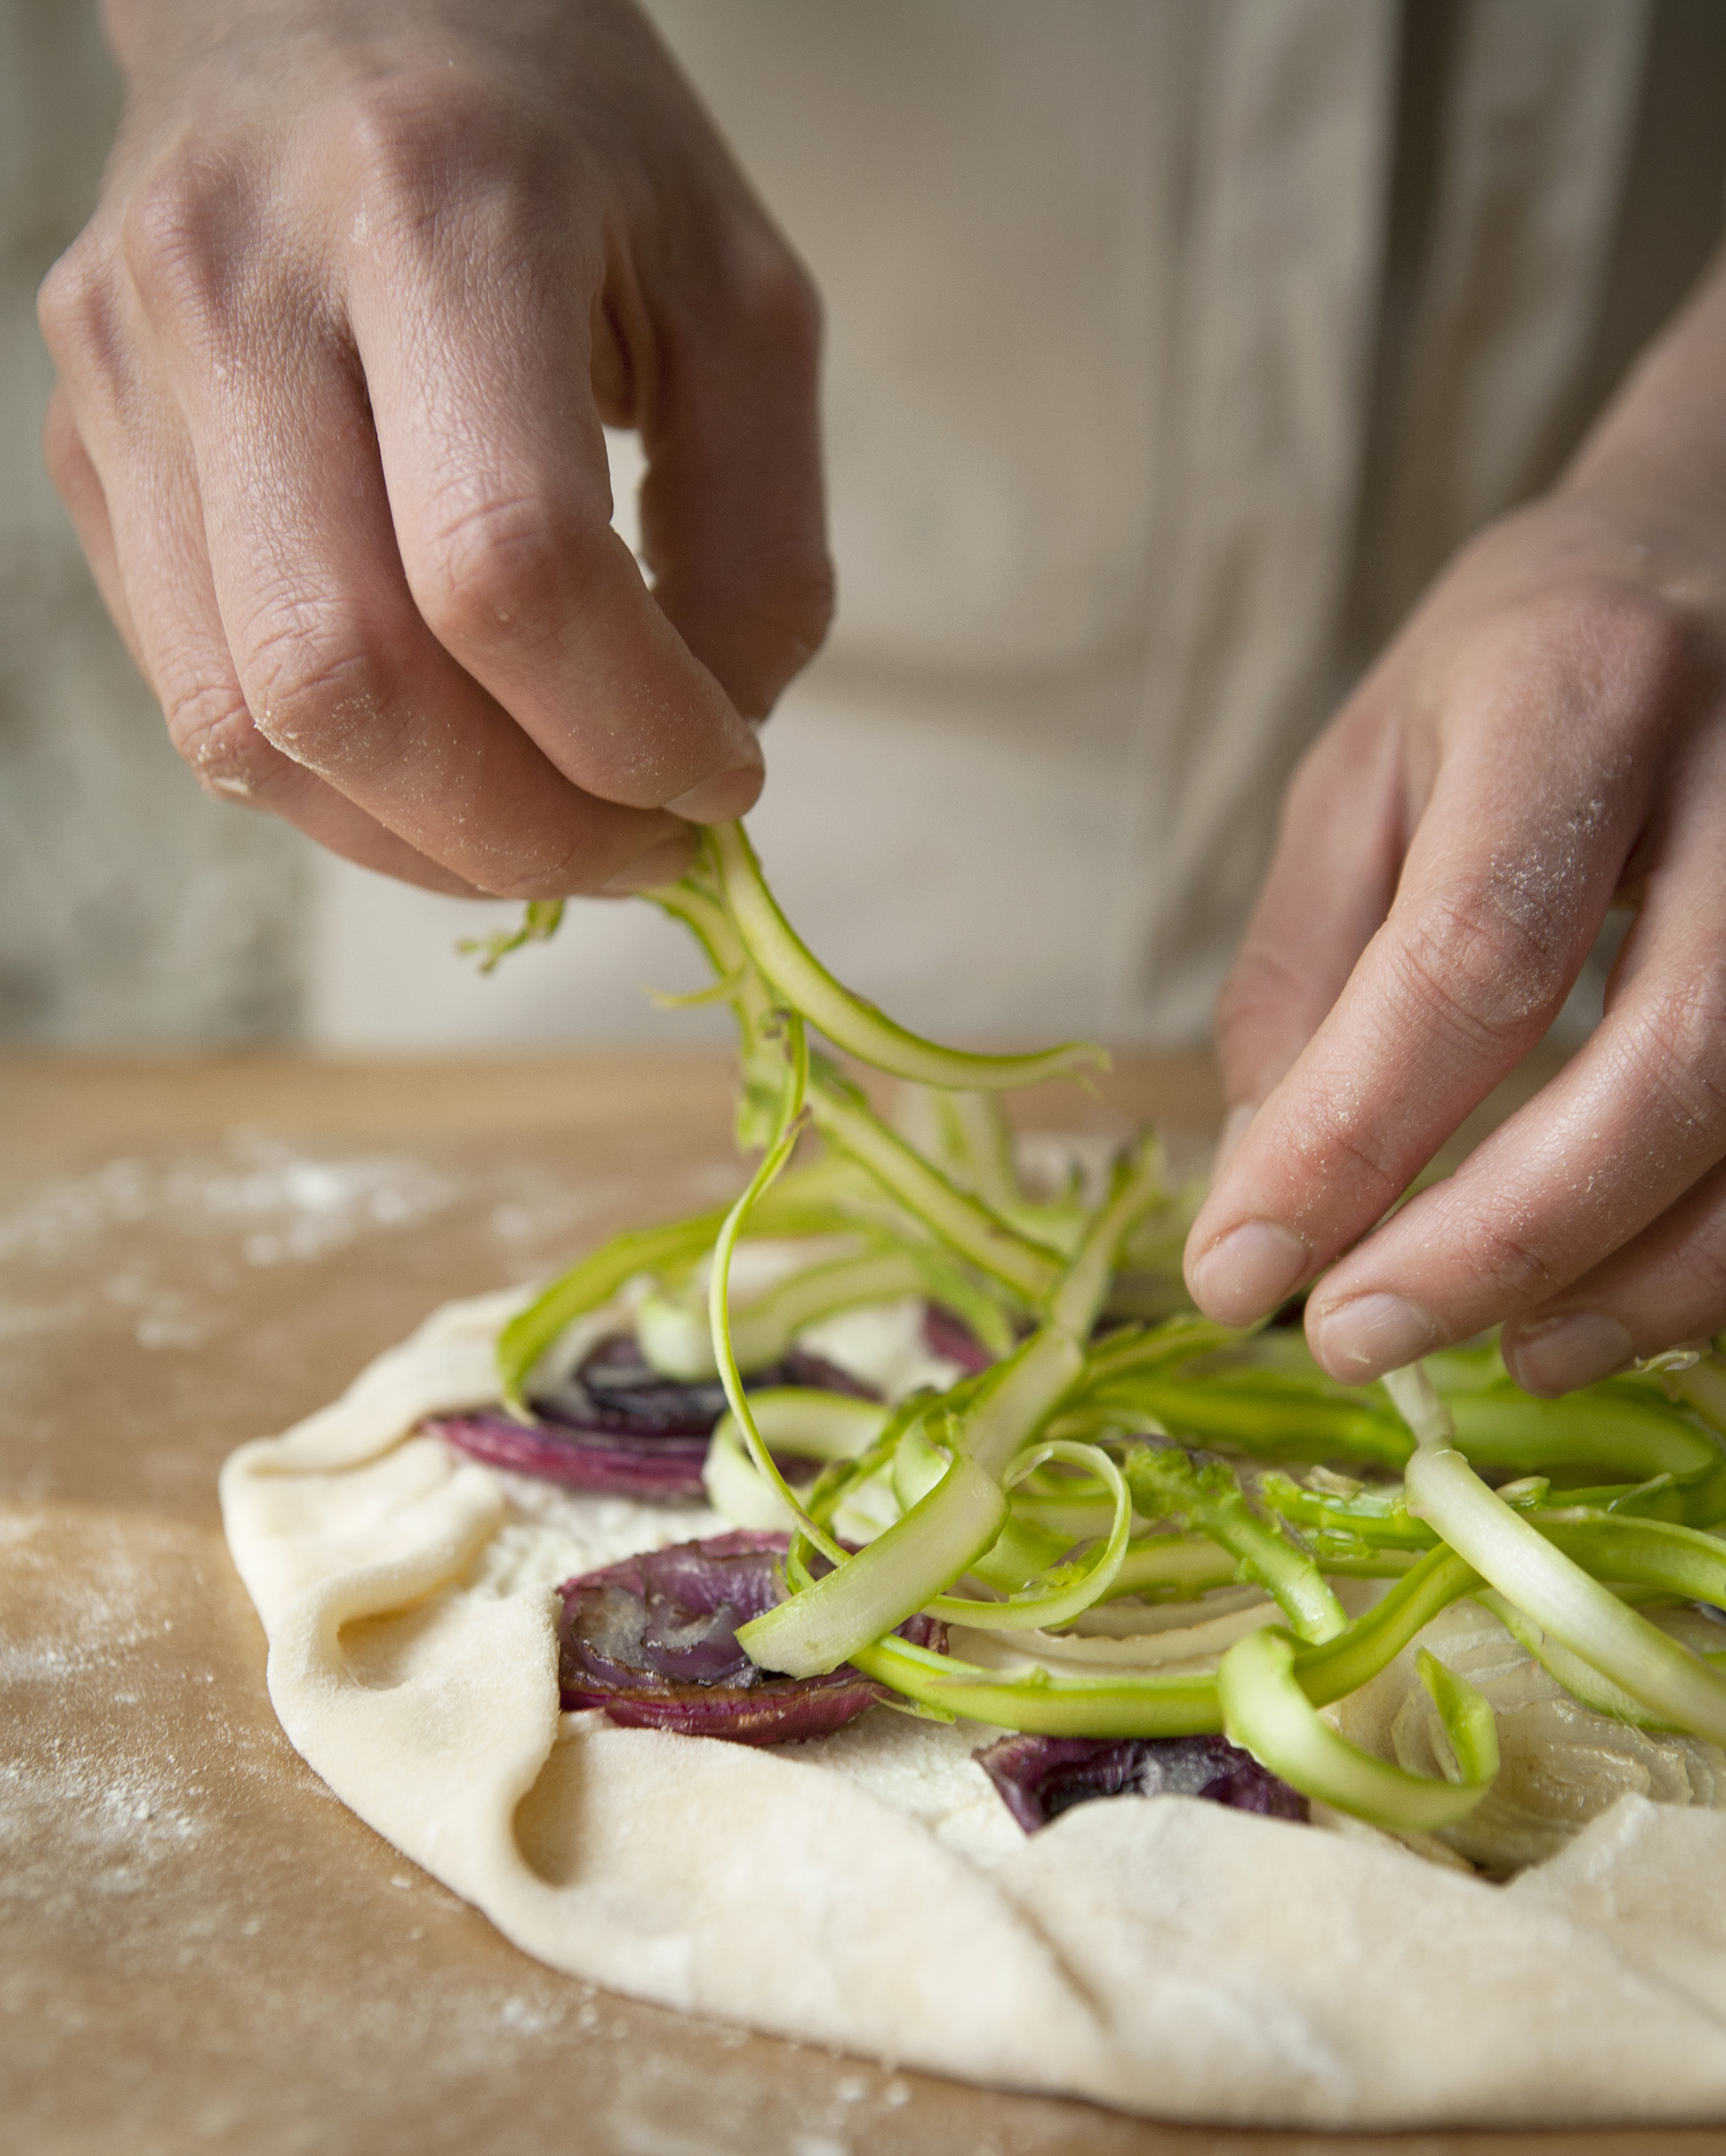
[
  {"x": 951, "y": 1338},
  {"x": 653, "y": 1642},
  {"x": 616, "y": 1390},
  {"x": 619, "y": 1429},
  {"x": 1038, "y": 1778},
  {"x": 662, "y": 1470}
]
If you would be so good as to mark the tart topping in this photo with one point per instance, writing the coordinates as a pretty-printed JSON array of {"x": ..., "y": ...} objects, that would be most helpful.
[
  {"x": 653, "y": 1642},
  {"x": 619, "y": 1429},
  {"x": 1038, "y": 1778}
]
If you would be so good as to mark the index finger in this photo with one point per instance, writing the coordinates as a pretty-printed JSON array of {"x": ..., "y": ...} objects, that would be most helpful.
[
  {"x": 474, "y": 334},
  {"x": 1506, "y": 881}
]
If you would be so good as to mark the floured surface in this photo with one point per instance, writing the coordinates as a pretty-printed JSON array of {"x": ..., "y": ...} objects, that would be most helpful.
[
  {"x": 1163, "y": 1955},
  {"x": 200, "y": 1948}
]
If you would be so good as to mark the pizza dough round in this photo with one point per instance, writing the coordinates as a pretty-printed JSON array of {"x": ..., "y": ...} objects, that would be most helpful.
[{"x": 869, "y": 1890}]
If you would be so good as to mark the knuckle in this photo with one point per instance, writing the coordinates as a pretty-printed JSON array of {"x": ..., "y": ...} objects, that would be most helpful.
[
  {"x": 775, "y": 295},
  {"x": 1313, "y": 785},
  {"x": 1332, "y": 1139},
  {"x": 210, "y": 726},
  {"x": 1704, "y": 1260},
  {"x": 498, "y": 566},
  {"x": 1629, "y": 653},
  {"x": 1682, "y": 1052},
  {"x": 409, "y": 136},
  {"x": 316, "y": 693},
  {"x": 1307, "y": 786},
  {"x": 1484, "y": 961},
  {"x": 555, "y": 861},
  {"x": 548, "y": 863},
  {"x": 170, "y": 238},
  {"x": 576, "y": 877},
  {"x": 74, "y": 309},
  {"x": 1258, "y": 990},
  {"x": 1635, "y": 647},
  {"x": 795, "y": 599},
  {"x": 1508, "y": 1270}
]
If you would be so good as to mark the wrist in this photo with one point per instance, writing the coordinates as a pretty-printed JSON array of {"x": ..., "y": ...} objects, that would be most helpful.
[
  {"x": 138, "y": 31},
  {"x": 165, "y": 37},
  {"x": 1655, "y": 463}
]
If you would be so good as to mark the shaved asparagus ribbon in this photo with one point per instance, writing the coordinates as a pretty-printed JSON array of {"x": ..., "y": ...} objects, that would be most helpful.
[
  {"x": 680, "y": 1344},
  {"x": 590, "y": 1286},
  {"x": 817, "y": 1425},
  {"x": 962, "y": 1516},
  {"x": 778, "y": 1152},
  {"x": 805, "y": 984},
  {"x": 1547, "y": 1587},
  {"x": 968, "y": 1226},
  {"x": 1265, "y": 1712},
  {"x": 1063, "y": 1474},
  {"x": 1068, "y": 1596},
  {"x": 937, "y": 1540}
]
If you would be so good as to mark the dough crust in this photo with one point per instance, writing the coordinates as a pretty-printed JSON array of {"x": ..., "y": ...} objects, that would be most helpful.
[{"x": 1165, "y": 1956}]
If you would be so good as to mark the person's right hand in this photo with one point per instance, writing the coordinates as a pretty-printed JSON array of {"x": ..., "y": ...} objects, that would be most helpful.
[{"x": 335, "y": 352}]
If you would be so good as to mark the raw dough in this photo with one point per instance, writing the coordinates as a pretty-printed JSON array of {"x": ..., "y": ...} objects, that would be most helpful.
[{"x": 869, "y": 1892}]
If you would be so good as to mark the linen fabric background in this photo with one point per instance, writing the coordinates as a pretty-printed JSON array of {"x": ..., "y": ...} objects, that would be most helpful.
[{"x": 1172, "y": 346}]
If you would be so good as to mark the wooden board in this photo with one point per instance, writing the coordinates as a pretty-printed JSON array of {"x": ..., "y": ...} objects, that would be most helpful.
[{"x": 199, "y": 1947}]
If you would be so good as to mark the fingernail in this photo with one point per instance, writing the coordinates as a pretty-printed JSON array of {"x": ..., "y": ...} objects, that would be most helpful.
[
  {"x": 1369, "y": 1334},
  {"x": 1548, "y": 1355},
  {"x": 1248, "y": 1272},
  {"x": 661, "y": 864},
  {"x": 719, "y": 799},
  {"x": 1235, "y": 1124}
]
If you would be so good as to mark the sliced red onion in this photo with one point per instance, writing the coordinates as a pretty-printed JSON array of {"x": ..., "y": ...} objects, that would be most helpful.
[
  {"x": 1038, "y": 1778},
  {"x": 953, "y": 1339},
  {"x": 617, "y": 1390},
  {"x": 617, "y": 1428},
  {"x": 665, "y": 1469},
  {"x": 653, "y": 1642}
]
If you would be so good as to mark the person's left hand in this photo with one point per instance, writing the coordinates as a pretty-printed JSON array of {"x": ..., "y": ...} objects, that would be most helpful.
[{"x": 1547, "y": 734}]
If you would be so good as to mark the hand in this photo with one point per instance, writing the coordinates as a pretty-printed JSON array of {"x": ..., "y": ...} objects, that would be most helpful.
[
  {"x": 335, "y": 353},
  {"x": 1546, "y": 734}
]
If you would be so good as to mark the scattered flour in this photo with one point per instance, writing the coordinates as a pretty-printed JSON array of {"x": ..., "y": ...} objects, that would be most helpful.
[
  {"x": 126, "y": 1236},
  {"x": 291, "y": 1207}
]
